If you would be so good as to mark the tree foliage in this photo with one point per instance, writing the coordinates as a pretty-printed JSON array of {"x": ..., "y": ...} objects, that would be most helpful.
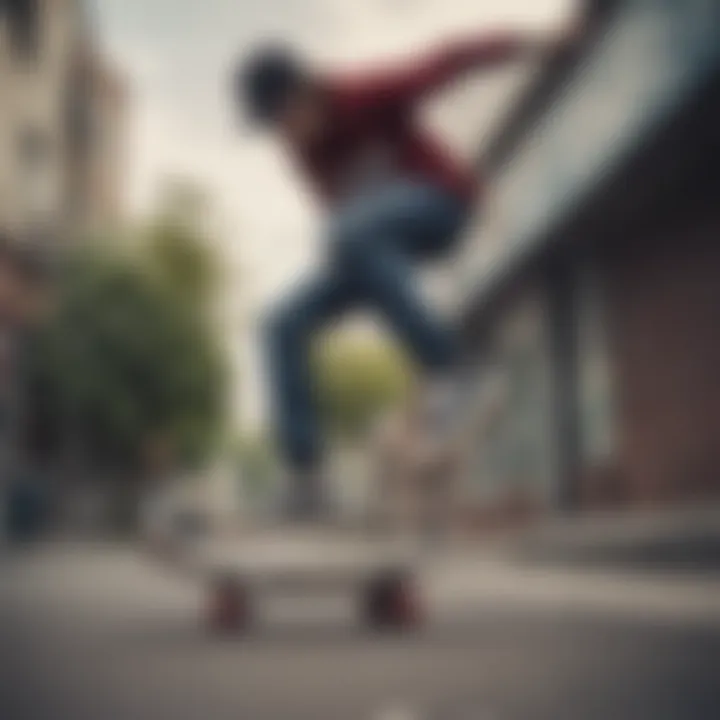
[
  {"x": 175, "y": 255},
  {"x": 123, "y": 371},
  {"x": 357, "y": 378}
]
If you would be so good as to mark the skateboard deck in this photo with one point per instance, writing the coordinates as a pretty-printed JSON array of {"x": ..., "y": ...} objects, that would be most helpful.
[{"x": 381, "y": 574}]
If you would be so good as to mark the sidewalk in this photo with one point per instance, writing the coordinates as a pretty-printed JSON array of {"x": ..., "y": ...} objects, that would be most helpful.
[
  {"x": 91, "y": 627},
  {"x": 581, "y": 567},
  {"x": 683, "y": 540},
  {"x": 654, "y": 566},
  {"x": 471, "y": 585}
]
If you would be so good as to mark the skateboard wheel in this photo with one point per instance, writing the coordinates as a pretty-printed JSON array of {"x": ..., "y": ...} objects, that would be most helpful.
[
  {"x": 393, "y": 602},
  {"x": 228, "y": 605}
]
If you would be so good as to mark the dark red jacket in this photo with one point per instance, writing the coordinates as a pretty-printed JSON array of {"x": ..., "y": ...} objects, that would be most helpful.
[{"x": 373, "y": 131}]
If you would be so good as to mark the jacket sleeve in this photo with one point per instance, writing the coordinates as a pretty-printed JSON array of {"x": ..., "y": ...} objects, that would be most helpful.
[{"x": 404, "y": 86}]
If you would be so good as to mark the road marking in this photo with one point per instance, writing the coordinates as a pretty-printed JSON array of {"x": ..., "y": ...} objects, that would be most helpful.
[{"x": 397, "y": 711}]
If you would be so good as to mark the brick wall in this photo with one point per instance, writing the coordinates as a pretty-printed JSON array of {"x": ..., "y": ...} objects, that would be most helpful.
[{"x": 663, "y": 291}]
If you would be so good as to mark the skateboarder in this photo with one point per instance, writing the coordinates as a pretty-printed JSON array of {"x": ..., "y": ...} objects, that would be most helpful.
[{"x": 394, "y": 197}]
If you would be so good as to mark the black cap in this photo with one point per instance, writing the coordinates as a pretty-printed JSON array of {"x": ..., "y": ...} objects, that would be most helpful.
[{"x": 265, "y": 79}]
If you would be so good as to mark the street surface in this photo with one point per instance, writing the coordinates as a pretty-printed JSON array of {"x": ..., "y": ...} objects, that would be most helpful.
[{"x": 103, "y": 633}]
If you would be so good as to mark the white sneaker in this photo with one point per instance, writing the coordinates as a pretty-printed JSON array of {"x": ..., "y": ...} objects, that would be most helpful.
[{"x": 305, "y": 499}]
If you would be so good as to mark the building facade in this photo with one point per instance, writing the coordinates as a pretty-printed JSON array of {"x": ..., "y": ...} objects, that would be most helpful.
[
  {"x": 61, "y": 126},
  {"x": 598, "y": 307},
  {"x": 62, "y": 123}
]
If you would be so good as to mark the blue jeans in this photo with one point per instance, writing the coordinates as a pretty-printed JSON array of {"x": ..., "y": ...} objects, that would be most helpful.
[{"x": 373, "y": 242}]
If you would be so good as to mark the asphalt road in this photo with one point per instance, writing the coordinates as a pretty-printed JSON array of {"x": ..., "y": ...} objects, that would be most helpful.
[{"x": 101, "y": 634}]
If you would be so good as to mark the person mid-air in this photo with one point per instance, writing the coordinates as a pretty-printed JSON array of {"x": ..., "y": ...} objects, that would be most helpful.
[{"x": 394, "y": 197}]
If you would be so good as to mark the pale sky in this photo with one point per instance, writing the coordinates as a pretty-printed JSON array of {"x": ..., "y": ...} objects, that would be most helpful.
[{"x": 176, "y": 54}]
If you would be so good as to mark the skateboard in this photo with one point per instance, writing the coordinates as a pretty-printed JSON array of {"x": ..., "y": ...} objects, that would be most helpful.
[{"x": 381, "y": 578}]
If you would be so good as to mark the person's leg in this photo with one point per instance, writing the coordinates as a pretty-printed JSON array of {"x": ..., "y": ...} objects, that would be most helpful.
[
  {"x": 290, "y": 330},
  {"x": 375, "y": 240}
]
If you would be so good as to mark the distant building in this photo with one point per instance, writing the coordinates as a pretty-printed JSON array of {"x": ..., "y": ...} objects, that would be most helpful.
[
  {"x": 61, "y": 126},
  {"x": 98, "y": 169},
  {"x": 592, "y": 287}
]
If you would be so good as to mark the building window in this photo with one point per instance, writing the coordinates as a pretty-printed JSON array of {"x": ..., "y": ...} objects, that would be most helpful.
[
  {"x": 34, "y": 174},
  {"x": 81, "y": 128},
  {"x": 595, "y": 393},
  {"x": 516, "y": 453},
  {"x": 24, "y": 21}
]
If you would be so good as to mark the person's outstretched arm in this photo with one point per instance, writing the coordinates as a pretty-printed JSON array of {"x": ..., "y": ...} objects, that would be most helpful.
[{"x": 403, "y": 86}]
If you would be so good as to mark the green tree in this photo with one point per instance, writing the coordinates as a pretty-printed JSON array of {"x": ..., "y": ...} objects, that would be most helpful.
[
  {"x": 175, "y": 255},
  {"x": 175, "y": 246},
  {"x": 357, "y": 378},
  {"x": 123, "y": 374}
]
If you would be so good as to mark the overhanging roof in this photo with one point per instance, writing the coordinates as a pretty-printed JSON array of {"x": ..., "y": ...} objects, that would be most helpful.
[{"x": 583, "y": 123}]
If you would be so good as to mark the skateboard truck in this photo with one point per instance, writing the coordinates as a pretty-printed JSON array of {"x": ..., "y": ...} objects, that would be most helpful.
[
  {"x": 392, "y": 602},
  {"x": 228, "y": 608}
]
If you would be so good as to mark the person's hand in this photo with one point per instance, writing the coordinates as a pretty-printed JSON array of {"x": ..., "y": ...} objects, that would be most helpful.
[
  {"x": 571, "y": 36},
  {"x": 564, "y": 40}
]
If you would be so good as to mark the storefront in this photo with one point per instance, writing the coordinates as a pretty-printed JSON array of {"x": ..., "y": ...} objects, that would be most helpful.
[{"x": 600, "y": 308}]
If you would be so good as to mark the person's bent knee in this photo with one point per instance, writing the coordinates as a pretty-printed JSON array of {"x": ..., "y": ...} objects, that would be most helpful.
[{"x": 352, "y": 240}]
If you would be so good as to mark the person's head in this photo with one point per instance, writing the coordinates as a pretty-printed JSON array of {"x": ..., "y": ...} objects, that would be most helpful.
[{"x": 278, "y": 91}]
